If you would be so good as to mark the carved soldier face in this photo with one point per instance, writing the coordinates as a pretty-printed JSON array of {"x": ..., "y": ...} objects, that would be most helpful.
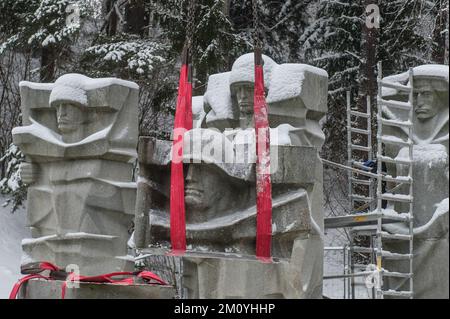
[
  {"x": 428, "y": 102},
  {"x": 69, "y": 117},
  {"x": 207, "y": 193},
  {"x": 199, "y": 183},
  {"x": 244, "y": 92}
]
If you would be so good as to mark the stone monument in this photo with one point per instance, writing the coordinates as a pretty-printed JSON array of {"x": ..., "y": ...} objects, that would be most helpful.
[
  {"x": 220, "y": 195},
  {"x": 79, "y": 136},
  {"x": 431, "y": 181}
]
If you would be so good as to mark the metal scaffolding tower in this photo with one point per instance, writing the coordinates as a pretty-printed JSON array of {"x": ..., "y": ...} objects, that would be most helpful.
[
  {"x": 390, "y": 196},
  {"x": 360, "y": 187},
  {"x": 367, "y": 221}
]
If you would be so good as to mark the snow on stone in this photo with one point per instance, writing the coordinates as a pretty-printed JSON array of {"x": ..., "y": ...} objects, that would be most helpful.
[
  {"x": 80, "y": 81},
  {"x": 389, "y": 212},
  {"x": 392, "y": 138},
  {"x": 198, "y": 111},
  {"x": 218, "y": 97},
  {"x": 431, "y": 154},
  {"x": 287, "y": 79},
  {"x": 283, "y": 82},
  {"x": 441, "y": 209},
  {"x": 12, "y": 230},
  {"x": 430, "y": 70},
  {"x": 197, "y": 104},
  {"x": 243, "y": 69},
  {"x": 434, "y": 70},
  {"x": 48, "y": 135}
]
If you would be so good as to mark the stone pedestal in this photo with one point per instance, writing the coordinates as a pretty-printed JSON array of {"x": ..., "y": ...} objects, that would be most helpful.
[{"x": 43, "y": 289}]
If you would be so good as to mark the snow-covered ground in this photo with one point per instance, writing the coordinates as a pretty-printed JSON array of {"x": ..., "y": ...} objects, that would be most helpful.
[
  {"x": 337, "y": 205},
  {"x": 12, "y": 230}
]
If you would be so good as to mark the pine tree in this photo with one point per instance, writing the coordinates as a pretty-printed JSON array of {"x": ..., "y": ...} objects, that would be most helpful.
[
  {"x": 402, "y": 44},
  {"x": 333, "y": 42},
  {"x": 281, "y": 24},
  {"x": 41, "y": 26},
  {"x": 11, "y": 184},
  {"x": 215, "y": 41}
]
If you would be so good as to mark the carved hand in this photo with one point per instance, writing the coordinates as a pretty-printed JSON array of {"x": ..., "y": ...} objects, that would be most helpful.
[{"x": 28, "y": 172}]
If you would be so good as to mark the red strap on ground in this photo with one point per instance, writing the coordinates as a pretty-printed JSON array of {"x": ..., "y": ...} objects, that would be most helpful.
[
  {"x": 128, "y": 278},
  {"x": 263, "y": 181},
  {"x": 183, "y": 122}
]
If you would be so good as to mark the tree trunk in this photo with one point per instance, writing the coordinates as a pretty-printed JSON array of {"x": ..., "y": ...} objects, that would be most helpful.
[
  {"x": 48, "y": 64},
  {"x": 226, "y": 7},
  {"x": 110, "y": 17},
  {"x": 367, "y": 72},
  {"x": 136, "y": 19}
]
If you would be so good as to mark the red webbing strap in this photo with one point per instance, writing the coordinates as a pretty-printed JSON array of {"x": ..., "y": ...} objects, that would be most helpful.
[
  {"x": 33, "y": 270},
  {"x": 18, "y": 285},
  {"x": 183, "y": 122},
  {"x": 109, "y": 278},
  {"x": 147, "y": 276},
  {"x": 263, "y": 181}
]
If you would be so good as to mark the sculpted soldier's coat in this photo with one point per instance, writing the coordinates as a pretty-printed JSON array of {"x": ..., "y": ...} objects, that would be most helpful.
[
  {"x": 431, "y": 182},
  {"x": 79, "y": 137}
]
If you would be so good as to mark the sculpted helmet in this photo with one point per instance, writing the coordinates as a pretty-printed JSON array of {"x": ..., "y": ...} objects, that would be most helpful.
[{"x": 70, "y": 88}]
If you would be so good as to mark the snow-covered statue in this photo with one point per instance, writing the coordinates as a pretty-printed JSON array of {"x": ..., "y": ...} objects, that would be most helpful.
[
  {"x": 79, "y": 136},
  {"x": 431, "y": 180},
  {"x": 220, "y": 194},
  {"x": 294, "y": 95}
]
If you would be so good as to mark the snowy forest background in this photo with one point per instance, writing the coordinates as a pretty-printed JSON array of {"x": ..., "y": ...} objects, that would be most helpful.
[{"x": 141, "y": 41}]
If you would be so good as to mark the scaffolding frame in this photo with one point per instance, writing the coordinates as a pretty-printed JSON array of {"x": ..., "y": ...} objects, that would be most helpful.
[{"x": 371, "y": 224}]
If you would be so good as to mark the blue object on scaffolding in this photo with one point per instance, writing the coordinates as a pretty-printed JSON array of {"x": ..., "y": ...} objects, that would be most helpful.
[{"x": 371, "y": 166}]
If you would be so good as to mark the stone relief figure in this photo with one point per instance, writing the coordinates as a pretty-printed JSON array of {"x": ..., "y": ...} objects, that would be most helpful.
[
  {"x": 220, "y": 193},
  {"x": 79, "y": 136},
  {"x": 294, "y": 96},
  {"x": 431, "y": 180}
]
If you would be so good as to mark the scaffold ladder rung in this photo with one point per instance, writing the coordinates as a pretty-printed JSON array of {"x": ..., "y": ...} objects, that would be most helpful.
[
  {"x": 394, "y": 293},
  {"x": 359, "y": 114},
  {"x": 396, "y": 274},
  {"x": 398, "y": 179},
  {"x": 397, "y": 197},
  {"x": 359, "y": 131},
  {"x": 387, "y": 235},
  {"x": 361, "y": 198},
  {"x": 361, "y": 181},
  {"x": 395, "y": 86},
  {"x": 395, "y": 104},
  {"x": 360, "y": 148},
  {"x": 395, "y": 141}
]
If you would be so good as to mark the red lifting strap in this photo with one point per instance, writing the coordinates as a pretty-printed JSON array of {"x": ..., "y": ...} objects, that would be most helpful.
[
  {"x": 128, "y": 278},
  {"x": 183, "y": 123},
  {"x": 263, "y": 181}
]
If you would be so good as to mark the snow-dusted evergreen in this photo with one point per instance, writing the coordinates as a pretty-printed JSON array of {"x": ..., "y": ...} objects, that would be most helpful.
[{"x": 11, "y": 184}]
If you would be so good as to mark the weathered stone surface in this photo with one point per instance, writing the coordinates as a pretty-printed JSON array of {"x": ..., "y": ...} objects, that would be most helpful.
[
  {"x": 220, "y": 194},
  {"x": 79, "y": 138},
  {"x": 219, "y": 277},
  {"x": 431, "y": 182},
  {"x": 43, "y": 289}
]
